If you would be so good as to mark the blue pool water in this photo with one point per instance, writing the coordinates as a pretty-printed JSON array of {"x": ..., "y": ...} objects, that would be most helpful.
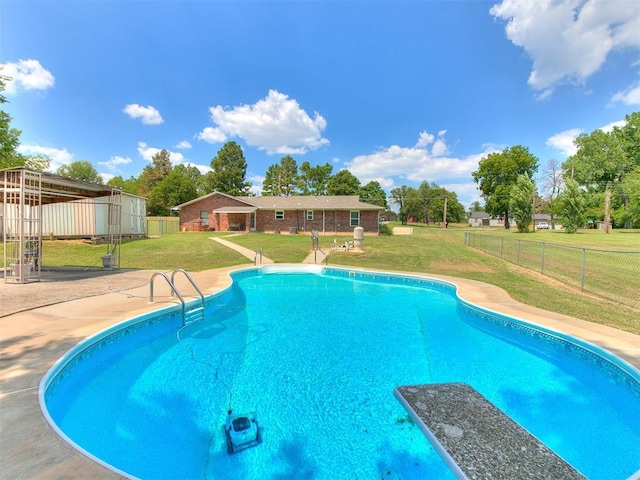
[{"x": 318, "y": 356}]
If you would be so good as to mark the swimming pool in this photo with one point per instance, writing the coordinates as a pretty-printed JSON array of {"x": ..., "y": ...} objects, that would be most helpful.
[{"x": 317, "y": 353}]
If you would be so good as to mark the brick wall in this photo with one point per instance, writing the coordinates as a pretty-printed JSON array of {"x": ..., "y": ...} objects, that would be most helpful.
[
  {"x": 190, "y": 214},
  {"x": 335, "y": 221}
]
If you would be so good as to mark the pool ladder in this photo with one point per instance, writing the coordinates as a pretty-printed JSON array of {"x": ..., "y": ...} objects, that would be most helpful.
[{"x": 188, "y": 316}]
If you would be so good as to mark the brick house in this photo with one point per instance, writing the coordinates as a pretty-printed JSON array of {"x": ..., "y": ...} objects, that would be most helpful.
[{"x": 338, "y": 214}]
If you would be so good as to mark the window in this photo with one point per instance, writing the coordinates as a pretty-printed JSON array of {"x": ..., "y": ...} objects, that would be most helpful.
[
  {"x": 279, "y": 214},
  {"x": 309, "y": 214},
  {"x": 354, "y": 218},
  {"x": 204, "y": 217}
]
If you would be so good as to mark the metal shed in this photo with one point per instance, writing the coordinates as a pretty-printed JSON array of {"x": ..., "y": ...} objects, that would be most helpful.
[{"x": 24, "y": 193}]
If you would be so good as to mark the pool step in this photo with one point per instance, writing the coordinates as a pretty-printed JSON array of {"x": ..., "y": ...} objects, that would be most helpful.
[
  {"x": 194, "y": 315},
  {"x": 475, "y": 438}
]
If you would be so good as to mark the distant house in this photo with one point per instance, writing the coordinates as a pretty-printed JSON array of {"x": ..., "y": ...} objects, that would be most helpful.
[
  {"x": 479, "y": 219},
  {"x": 338, "y": 214},
  {"x": 483, "y": 219}
]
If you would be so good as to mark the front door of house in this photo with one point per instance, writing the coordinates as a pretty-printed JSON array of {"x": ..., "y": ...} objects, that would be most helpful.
[{"x": 252, "y": 221}]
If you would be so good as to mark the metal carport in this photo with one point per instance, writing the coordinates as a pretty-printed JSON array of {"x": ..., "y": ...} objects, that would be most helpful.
[{"x": 24, "y": 192}]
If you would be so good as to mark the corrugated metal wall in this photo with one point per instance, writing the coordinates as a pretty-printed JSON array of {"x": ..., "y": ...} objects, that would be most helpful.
[{"x": 89, "y": 217}]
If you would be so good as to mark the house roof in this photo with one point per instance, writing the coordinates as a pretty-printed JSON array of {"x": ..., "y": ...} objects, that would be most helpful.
[
  {"x": 480, "y": 215},
  {"x": 296, "y": 202},
  {"x": 235, "y": 209},
  {"x": 312, "y": 202}
]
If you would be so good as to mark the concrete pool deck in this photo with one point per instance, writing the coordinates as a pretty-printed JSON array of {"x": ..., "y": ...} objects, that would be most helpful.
[{"x": 40, "y": 321}]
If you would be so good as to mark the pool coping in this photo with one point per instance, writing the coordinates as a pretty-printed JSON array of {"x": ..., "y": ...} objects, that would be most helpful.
[{"x": 34, "y": 339}]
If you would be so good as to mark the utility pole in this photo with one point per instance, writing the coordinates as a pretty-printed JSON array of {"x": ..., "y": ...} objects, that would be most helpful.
[{"x": 444, "y": 215}]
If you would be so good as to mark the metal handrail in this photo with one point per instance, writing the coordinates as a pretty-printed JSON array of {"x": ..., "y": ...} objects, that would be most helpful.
[
  {"x": 173, "y": 288},
  {"x": 255, "y": 259},
  {"x": 173, "y": 275},
  {"x": 315, "y": 256}
]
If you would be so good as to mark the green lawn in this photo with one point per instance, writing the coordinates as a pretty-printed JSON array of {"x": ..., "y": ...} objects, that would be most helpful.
[{"x": 428, "y": 250}]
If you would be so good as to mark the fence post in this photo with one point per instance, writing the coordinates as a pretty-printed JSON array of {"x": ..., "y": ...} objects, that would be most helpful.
[{"x": 584, "y": 254}]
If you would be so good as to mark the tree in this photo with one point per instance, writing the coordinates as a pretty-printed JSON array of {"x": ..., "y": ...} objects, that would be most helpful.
[
  {"x": 314, "y": 180},
  {"x": 132, "y": 185},
  {"x": 281, "y": 179},
  {"x": 176, "y": 188},
  {"x": 373, "y": 193},
  {"x": 399, "y": 198},
  {"x": 9, "y": 137},
  {"x": 600, "y": 163},
  {"x": 520, "y": 202},
  {"x": 153, "y": 174},
  {"x": 343, "y": 183},
  {"x": 229, "y": 169},
  {"x": 80, "y": 170},
  {"x": 497, "y": 174},
  {"x": 551, "y": 185},
  {"x": 630, "y": 186},
  {"x": 572, "y": 206}
]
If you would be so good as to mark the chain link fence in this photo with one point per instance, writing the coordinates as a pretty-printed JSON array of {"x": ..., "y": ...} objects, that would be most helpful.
[
  {"x": 159, "y": 226},
  {"x": 610, "y": 274}
]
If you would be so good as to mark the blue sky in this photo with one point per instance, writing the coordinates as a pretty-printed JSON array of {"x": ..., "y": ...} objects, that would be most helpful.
[{"x": 394, "y": 91}]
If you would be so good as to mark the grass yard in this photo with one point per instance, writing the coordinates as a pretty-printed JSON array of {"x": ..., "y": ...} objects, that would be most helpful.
[{"x": 428, "y": 250}]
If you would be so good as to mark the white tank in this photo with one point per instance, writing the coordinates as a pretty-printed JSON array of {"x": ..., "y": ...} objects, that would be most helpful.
[{"x": 358, "y": 237}]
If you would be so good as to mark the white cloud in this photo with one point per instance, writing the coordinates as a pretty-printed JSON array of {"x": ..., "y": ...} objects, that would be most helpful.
[
  {"x": 201, "y": 168},
  {"x": 184, "y": 145},
  {"x": 439, "y": 147},
  {"x": 568, "y": 40},
  {"x": 608, "y": 128},
  {"x": 149, "y": 115},
  {"x": 563, "y": 141},
  {"x": 26, "y": 75},
  {"x": 57, "y": 156},
  {"x": 212, "y": 135},
  {"x": 114, "y": 162},
  {"x": 275, "y": 124},
  {"x": 629, "y": 96},
  {"x": 415, "y": 164},
  {"x": 148, "y": 152},
  {"x": 424, "y": 139}
]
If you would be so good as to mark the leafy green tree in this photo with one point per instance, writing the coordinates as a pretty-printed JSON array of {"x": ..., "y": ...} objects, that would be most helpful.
[
  {"x": 9, "y": 137},
  {"x": 399, "y": 198},
  {"x": 572, "y": 206},
  {"x": 176, "y": 188},
  {"x": 373, "y": 193},
  {"x": 343, "y": 183},
  {"x": 631, "y": 188},
  {"x": 132, "y": 185},
  {"x": 281, "y": 179},
  {"x": 520, "y": 202},
  {"x": 229, "y": 170},
  {"x": 600, "y": 163},
  {"x": 497, "y": 174},
  {"x": 80, "y": 170},
  {"x": 440, "y": 197},
  {"x": 153, "y": 174},
  {"x": 314, "y": 180}
]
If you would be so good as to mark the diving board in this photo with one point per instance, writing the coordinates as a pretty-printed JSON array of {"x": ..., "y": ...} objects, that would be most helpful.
[{"x": 475, "y": 438}]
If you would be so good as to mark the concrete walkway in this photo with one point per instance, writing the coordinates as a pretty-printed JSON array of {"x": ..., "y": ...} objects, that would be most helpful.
[
  {"x": 250, "y": 254},
  {"x": 31, "y": 340}
]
